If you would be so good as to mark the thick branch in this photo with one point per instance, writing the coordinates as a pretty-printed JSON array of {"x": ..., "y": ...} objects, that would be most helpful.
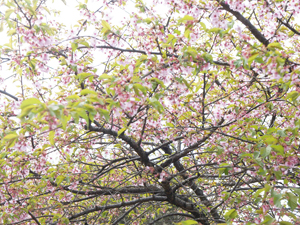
[
  {"x": 289, "y": 26},
  {"x": 145, "y": 53},
  {"x": 196, "y": 190},
  {"x": 179, "y": 155},
  {"x": 125, "y": 214},
  {"x": 34, "y": 218},
  {"x": 126, "y": 190},
  {"x": 4, "y": 92},
  {"x": 199, "y": 193},
  {"x": 118, "y": 205},
  {"x": 247, "y": 23},
  {"x": 171, "y": 214},
  {"x": 184, "y": 204},
  {"x": 138, "y": 149}
]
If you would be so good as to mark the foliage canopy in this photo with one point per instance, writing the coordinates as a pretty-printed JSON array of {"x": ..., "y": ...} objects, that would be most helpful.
[{"x": 147, "y": 112}]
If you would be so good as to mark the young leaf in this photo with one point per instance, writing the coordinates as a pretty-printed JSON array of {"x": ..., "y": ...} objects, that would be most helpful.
[
  {"x": 51, "y": 137},
  {"x": 104, "y": 113},
  {"x": 8, "y": 13},
  {"x": 189, "y": 222},
  {"x": 121, "y": 131},
  {"x": 292, "y": 200},
  {"x": 87, "y": 91},
  {"x": 106, "y": 25},
  {"x": 30, "y": 101},
  {"x": 59, "y": 179},
  {"x": 231, "y": 214},
  {"x": 74, "y": 46}
]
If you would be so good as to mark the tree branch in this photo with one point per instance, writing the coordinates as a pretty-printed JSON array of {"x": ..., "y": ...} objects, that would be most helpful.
[
  {"x": 179, "y": 155},
  {"x": 259, "y": 36},
  {"x": 34, "y": 218},
  {"x": 118, "y": 205},
  {"x": 126, "y": 213},
  {"x": 4, "y": 92},
  {"x": 145, "y": 53},
  {"x": 138, "y": 149},
  {"x": 171, "y": 214}
]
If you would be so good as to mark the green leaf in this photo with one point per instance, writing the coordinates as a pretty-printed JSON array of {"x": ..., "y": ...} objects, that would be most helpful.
[
  {"x": 268, "y": 220},
  {"x": 243, "y": 155},
  {"x": 51, "y": 137},
  {"x": 257, "y": 193},
  {"x": 292, "y": 200},
  {"x": 297, "y": 191},
  {"x": 121, "y": 131},
  {"x": 3, "y": 155},
  {"x": 170, "y": 38},
  {"x": 87, "y": 91},
  {"x": 177, "y": 32},
  {"x": 8, "y": 13},
  {"x": 82, "y": 76},
  {"x": 238, "y": 63},
  {"x": 81, "y": 112},
  {"x": 278, "y": 174},
  {"x": 64, "y": 1},
  {"x": 11, "y": 32},
  {"x": 267, "y": 188},
  {"x": 26, "y": 111},
  {"x": 231, "y": 214},
  {"x": 59, "y": 179},
  {"x": 208, "y": 57},
  {"x": 293, "y": 95},
  {"x": 269, "y": 139},
  {"x": 29, "y": 102},
  {"x": 170, "y": 124},
  {"x": 11, "y": 136},
  {"x": 278, "y": 148},
  {"x": 276, "y": 198},
  {"x": 74, "y": 46},
  {"x": 230, "y": 24},
  {"x": 214, "y": 30},
  {"x": 188, "y": 17},
  {"x": 73, "y": 97},
  {"x": 65, "y": 220},
  {"x": 104, "y": 76},
  {"x": 264, "y": 152},
  {"x": 137, "y": 87},
  {"x": 251, "y": 59},
  {"x": 189, "y": 222},
  {"x": 156, "y": 104},
  {"x": 203, "y": 25},
  {"x": 83, "y": 42},
  {"x": 158, "y": 81},
  {"x": 106, "y": 25},
  {"x": 64, "y": 120},
  {"x": 285, "y": 223},
  {"x": 147, "y": 20},
  {"x": 280, "y": 61},
  {"x": 104, "y": 113},
  {"x": 187, "y": 33},
  {"x": 274, "y": 45},
  {"x": 48, "y": 11},
  {"x": 89, "y": 107},
  {"x": 281, "y": 133},
  {"x": 191, "y": 51},
  {"x": 259, "y": 60}
]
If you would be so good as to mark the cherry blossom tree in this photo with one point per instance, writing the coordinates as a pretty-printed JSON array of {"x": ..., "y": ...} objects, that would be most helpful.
[{"x": 144, "y": 112}]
